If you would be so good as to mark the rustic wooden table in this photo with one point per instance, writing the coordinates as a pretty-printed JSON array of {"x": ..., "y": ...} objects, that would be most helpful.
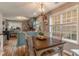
[{"x": 41, "y": 46}]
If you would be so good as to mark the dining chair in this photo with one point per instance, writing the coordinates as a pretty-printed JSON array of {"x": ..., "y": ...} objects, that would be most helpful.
[
  {"x": 21, "y": 45},
  {"x": 31, "y": 35}
]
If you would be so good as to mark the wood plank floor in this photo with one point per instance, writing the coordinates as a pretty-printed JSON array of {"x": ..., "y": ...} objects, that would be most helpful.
[{"x": 9, "y": 47}]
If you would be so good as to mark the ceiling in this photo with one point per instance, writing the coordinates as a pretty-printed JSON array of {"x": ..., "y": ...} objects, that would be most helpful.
[{"x": 25, "y": 9}]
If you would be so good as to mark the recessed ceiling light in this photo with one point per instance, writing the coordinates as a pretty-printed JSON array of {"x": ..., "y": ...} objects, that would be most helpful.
[
  {"x": 21, "y": 17},
  {"x": 34, "y": 14}
]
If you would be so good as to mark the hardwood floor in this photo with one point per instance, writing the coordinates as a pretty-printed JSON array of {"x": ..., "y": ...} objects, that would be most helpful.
[{"x": 10, "y": 47}]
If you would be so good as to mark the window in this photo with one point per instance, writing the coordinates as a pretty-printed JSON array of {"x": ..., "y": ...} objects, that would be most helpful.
[
  {"x": 50, "y": 26},
  {"x": 69, "y": 25},
  {"x": 69, "y": 31},
  {"x": 66, "y": 23}
]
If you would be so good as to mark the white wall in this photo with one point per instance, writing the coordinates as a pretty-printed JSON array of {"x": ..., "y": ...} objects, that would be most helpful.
[
  {"x": 1, "y": 26},
  {"x": 1, "y": 36},
  {"x": 14, "y": 24}
]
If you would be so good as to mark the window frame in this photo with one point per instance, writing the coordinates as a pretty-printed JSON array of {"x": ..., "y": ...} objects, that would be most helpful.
[{"x": 61, "y": 23}]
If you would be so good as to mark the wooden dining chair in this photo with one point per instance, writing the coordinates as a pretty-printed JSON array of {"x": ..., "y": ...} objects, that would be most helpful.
[
  {"x": 31, "y": 35},
  {"x": 22, "y": 45}
]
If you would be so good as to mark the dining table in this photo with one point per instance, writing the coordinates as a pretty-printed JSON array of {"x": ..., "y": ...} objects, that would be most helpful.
[
  {"x": 37, "y": 46},
  {"x": 41, "y": 46}
]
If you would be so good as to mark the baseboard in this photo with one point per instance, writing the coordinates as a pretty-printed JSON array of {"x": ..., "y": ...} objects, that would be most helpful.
[{"x": 67, "y": 52}]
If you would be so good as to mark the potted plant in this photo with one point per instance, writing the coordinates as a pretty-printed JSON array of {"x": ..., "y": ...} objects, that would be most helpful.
[
  {"x": 41, "y": 33},
  {"x": 41, "y": 36}
]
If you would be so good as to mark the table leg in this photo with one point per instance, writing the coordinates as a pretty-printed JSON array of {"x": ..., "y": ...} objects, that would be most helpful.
[{"x": 61, "y": 50}]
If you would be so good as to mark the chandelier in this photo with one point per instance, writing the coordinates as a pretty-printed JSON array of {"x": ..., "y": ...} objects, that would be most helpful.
[
  {"x": 42, "y": 12},
  {"x": 42, "y": 9}
]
